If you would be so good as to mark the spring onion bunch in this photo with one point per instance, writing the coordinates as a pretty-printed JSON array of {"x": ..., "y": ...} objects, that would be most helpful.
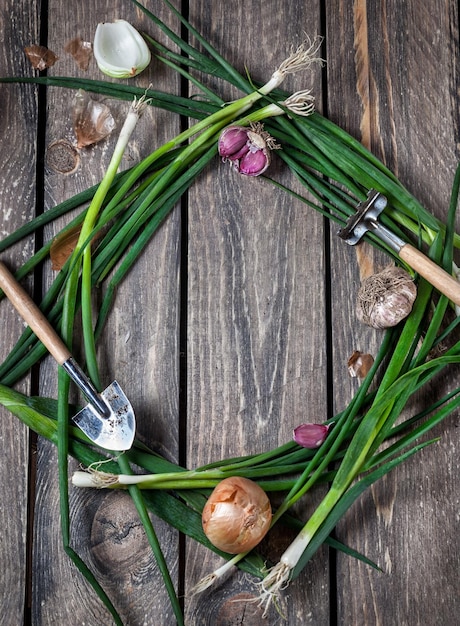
[{"x": 336, "y": 172}]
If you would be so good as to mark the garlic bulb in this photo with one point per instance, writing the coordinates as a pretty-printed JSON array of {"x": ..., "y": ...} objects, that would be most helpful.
[
  {"x": 386, "y": 298},
  {"x": 119, "y": 49},
  {"x": 247, "y": 149},
  {"x": 237, "y": 515}
]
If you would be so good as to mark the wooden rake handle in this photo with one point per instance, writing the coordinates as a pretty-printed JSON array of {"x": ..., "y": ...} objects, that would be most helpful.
[
  {"x": 31, "y": 314},
  {"x": 439, "y": 278}
]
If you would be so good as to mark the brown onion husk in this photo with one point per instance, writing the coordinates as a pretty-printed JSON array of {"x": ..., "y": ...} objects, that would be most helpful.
[
  {"x": 386, "y": 298},
  {"x": 92, "y": 120},
  {"x": 359, "y": 364},
  {"x": 237, "y": 515},
  {"x": 40, "y": 57},
  {"x": 64, "y": 244},
  {"x": 81, "y": 51}
]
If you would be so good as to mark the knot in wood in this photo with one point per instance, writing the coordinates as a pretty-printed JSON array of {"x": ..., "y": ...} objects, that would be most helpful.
[{"x": 118, "y": 540}]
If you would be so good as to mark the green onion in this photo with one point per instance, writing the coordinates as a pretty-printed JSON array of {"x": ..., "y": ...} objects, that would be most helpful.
[{"x": 335, "y": 172}]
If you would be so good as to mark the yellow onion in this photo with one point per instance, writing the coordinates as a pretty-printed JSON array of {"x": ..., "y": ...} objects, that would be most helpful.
[
  {"x": 237, "y": 515},
  {"x": 119, "y": 50}
]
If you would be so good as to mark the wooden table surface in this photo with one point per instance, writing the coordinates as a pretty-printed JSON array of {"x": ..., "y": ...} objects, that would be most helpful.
[{"x": 236, "y": 323}]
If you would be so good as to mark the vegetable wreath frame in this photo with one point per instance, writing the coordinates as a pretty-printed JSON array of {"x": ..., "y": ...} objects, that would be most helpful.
[{"x": 336, "y": 172}]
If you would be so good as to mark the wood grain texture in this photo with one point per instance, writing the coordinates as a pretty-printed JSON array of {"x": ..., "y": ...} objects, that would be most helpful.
[
  {"x": 256, "y": 341},
  {"x": 384, "y": 67},
  {"x": 139, "y": 348},
  {"x": 249, "y": 286},
  {"x": 18, "y": 127}
]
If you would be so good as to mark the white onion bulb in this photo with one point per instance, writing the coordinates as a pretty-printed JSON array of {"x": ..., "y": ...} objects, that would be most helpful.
[{"x": 119, "y": 50}]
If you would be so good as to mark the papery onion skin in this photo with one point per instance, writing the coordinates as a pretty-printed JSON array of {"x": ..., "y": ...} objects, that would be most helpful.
[
  {"x": 359, "y": 364},
  {"x": 237, "y": 515},
  {"x": 92, "y": 120}
]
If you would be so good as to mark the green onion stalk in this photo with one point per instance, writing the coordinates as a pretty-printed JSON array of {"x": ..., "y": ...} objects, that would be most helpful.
[
  {"x": 76, "y": 280},
  {"x": 353, "y": 445},
  {"x": 138, "y": 210},
  {"x": 398, "y": 383},
  {"x": 127, "y": 208}
]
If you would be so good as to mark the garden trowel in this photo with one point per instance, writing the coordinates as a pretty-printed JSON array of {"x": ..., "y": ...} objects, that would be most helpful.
[{"x": 108, "y": 420}]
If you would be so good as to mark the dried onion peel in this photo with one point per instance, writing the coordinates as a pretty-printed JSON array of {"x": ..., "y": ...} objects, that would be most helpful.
[
  {"x": 92, "y": 120},
  {"x": 81, "y": 51},
  {"x": 40, "y": 57}
]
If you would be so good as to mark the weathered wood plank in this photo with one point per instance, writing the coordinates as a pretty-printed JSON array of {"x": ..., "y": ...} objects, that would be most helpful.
[
  {"x": 136, "y": 349},
  {"x": 392, "y": 82},
  {"x": 18, "y": 128},
  {"x": 256, "y": 345},
  {"x": 256, "y": 338}
]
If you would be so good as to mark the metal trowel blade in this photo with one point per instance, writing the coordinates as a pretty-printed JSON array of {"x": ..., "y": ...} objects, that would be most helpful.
[{"x": 115, "y": 432}]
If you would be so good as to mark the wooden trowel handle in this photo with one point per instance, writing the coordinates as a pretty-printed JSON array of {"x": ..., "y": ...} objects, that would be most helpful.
[
  {"x": 31, "y": 314},
  {"x": 444, "y": 282}
]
